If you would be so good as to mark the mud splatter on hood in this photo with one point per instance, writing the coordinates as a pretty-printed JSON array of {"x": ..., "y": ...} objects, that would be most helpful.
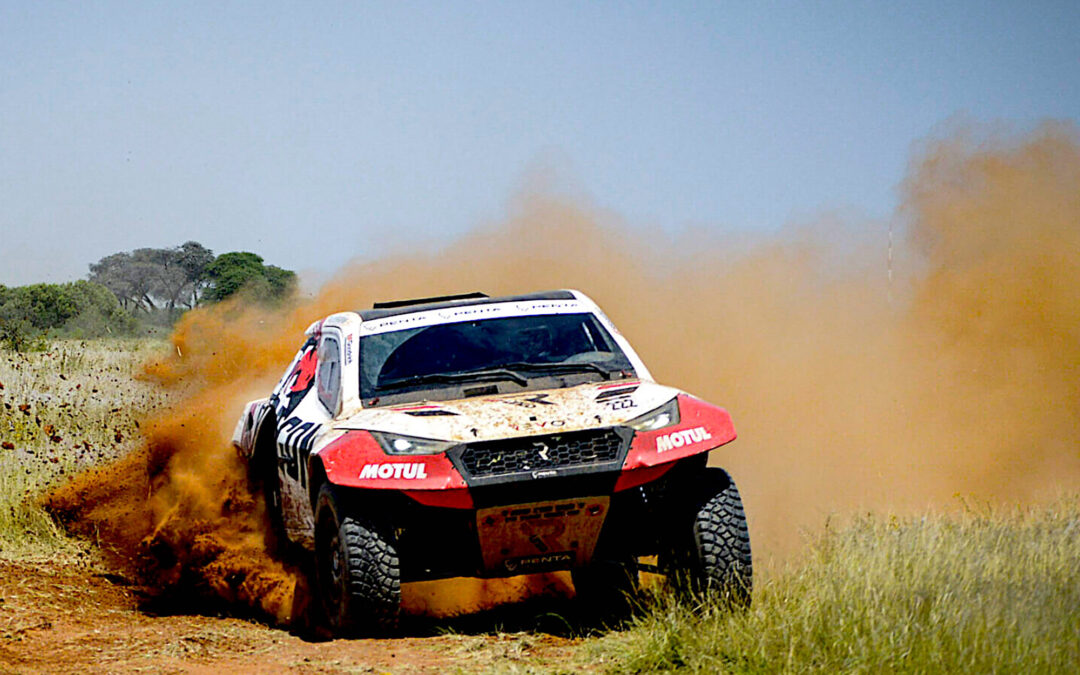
[{"x": 523, "y": 414}]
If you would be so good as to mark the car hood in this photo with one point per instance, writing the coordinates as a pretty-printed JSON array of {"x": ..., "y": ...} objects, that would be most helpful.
[{"x": 528, "y": 413}]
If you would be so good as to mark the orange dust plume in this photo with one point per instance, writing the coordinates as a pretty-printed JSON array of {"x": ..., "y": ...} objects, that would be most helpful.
[{"x": 858, "y": 377}]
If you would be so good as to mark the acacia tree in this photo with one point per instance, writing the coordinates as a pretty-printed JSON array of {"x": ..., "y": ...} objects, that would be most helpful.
[
  {"x": 130, "y": 278},
  {"x": 151, "y": 278}
]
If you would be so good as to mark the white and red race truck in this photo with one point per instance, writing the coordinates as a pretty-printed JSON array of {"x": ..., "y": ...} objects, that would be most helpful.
[{"x": 489, "y": 437}]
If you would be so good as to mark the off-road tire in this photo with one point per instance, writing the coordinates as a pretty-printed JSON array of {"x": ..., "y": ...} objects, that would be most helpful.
[
  {"x": 715, "y": 559},
  {"x": 357, "y": 571},
  {"x": 607, "y": 587}
]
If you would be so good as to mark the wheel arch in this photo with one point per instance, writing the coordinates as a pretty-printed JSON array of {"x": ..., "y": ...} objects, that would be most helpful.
[
  {"x": 377, "y": 506},
  {"x": 316, "y": 479},
  {"x": 265, "y": 445}
]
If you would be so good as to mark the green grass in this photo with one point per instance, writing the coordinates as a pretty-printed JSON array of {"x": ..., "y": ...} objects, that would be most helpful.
[
  {"x": 71, "y": 406},
  {"x": 990, "y": 590}
]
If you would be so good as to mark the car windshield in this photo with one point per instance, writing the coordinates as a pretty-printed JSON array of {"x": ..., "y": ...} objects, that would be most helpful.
[{"x": 515, "y": 349}]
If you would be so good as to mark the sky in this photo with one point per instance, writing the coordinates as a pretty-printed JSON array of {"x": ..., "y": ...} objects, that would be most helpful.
[{"x": 317, "y": 133}]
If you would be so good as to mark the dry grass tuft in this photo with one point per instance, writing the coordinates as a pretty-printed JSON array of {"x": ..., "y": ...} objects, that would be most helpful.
[{"x": 990, "y": 590}]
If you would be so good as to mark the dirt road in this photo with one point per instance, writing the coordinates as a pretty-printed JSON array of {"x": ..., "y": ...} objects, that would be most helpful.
[{"x": 70, "y": 618}]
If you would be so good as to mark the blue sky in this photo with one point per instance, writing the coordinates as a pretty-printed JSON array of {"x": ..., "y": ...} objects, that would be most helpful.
[{"x": 313, "y": 133}]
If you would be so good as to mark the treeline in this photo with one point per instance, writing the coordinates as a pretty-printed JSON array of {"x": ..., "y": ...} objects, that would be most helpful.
[{"x": 136, "y": 291}]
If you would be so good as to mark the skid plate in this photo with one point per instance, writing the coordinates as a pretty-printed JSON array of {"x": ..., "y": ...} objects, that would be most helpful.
[{"x": 540, "y": 536}]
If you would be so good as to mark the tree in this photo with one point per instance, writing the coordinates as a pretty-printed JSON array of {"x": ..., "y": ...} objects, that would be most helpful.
[
  {"x": 133, "y": 277},
  {"x": 232, "y": 272},
  {"x": 151, "y": 278},
  {"x": 193, "y": 258},
  {"x": 113, "y": 272}
]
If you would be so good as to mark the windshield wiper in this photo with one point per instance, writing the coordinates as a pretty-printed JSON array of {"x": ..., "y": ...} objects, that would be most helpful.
[
  {"x": 443, "y": 378},
  {"x": 559, "y": 368},
  {"x": 505, "y": 372}
]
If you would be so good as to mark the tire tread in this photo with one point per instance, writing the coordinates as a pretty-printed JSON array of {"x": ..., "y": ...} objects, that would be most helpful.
[
  {"x": 374, "y": 582},
  {"x": 722, "y": 539},
  {"x": 366, "y": 597}
]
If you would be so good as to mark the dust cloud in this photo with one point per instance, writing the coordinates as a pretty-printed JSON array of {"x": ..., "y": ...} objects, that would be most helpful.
[{"x": 851, "y": 390}]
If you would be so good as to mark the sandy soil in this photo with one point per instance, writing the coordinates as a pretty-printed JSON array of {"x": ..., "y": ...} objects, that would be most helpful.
[{"x": 58, "y": 617}]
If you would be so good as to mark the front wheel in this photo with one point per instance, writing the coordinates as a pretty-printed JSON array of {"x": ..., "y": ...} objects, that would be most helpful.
[
  {"x": 357, "y": 572},
  {"x": 714, "y": 556}
]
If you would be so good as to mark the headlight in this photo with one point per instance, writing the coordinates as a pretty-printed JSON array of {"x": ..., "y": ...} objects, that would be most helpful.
[
  {"x": 664, "y": 416},
  {"x": 396, "y": 444}
]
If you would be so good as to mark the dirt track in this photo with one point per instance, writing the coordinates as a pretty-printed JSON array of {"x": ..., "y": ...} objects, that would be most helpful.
[{"x": 60, "y": 618}]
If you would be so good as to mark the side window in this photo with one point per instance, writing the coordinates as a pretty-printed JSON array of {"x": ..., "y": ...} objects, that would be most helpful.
[{"x": 329, "y": 378}]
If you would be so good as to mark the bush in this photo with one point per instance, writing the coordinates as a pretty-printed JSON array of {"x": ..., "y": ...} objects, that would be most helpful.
[
  {"x": 19, "y": 335},
  {"x": 79, "y": 309}
]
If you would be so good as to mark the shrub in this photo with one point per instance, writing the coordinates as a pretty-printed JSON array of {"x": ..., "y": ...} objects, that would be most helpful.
[{"x": 80, "y": 308}]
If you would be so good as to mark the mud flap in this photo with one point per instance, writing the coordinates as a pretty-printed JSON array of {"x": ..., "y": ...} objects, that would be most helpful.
[{"x": 540, "y": 536}]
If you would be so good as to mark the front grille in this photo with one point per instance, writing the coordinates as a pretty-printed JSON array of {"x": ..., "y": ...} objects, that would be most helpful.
[{"x": 537, "y": 453}]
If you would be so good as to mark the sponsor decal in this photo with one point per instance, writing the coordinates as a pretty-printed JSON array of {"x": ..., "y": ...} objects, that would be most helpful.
[
  {"x": 534, "y": 423},
  {"x": 527, "y": 401},
  {"x": 537, "y": 307},
  {"x": 294, "y": 442},
  {"x": 469, "y": 312},
  {"x": 619, "y": 403},
  {"x": 348, "y": 349},
  {"x": 388, "y": 470},
  {"x": 678, "y": 439},
  {"x": 547, "y": 511},
  {"x": 539, "y": 563},
  {"x": 304, "y": 372},
  {"x": 295, "y": 386}
]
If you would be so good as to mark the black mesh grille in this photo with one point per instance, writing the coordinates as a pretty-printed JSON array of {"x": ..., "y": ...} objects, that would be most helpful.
[{"x": 536, "y": 453}]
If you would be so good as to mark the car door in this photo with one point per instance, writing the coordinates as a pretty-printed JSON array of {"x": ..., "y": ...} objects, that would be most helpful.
[{"x": 308, "y": 401}]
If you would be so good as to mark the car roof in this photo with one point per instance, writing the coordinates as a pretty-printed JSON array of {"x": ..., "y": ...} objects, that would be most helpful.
[{"x": 422, "y": 306}]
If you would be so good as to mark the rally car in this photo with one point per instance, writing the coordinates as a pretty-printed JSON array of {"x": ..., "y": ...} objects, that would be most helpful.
[{"x": 489, "y": 437}]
